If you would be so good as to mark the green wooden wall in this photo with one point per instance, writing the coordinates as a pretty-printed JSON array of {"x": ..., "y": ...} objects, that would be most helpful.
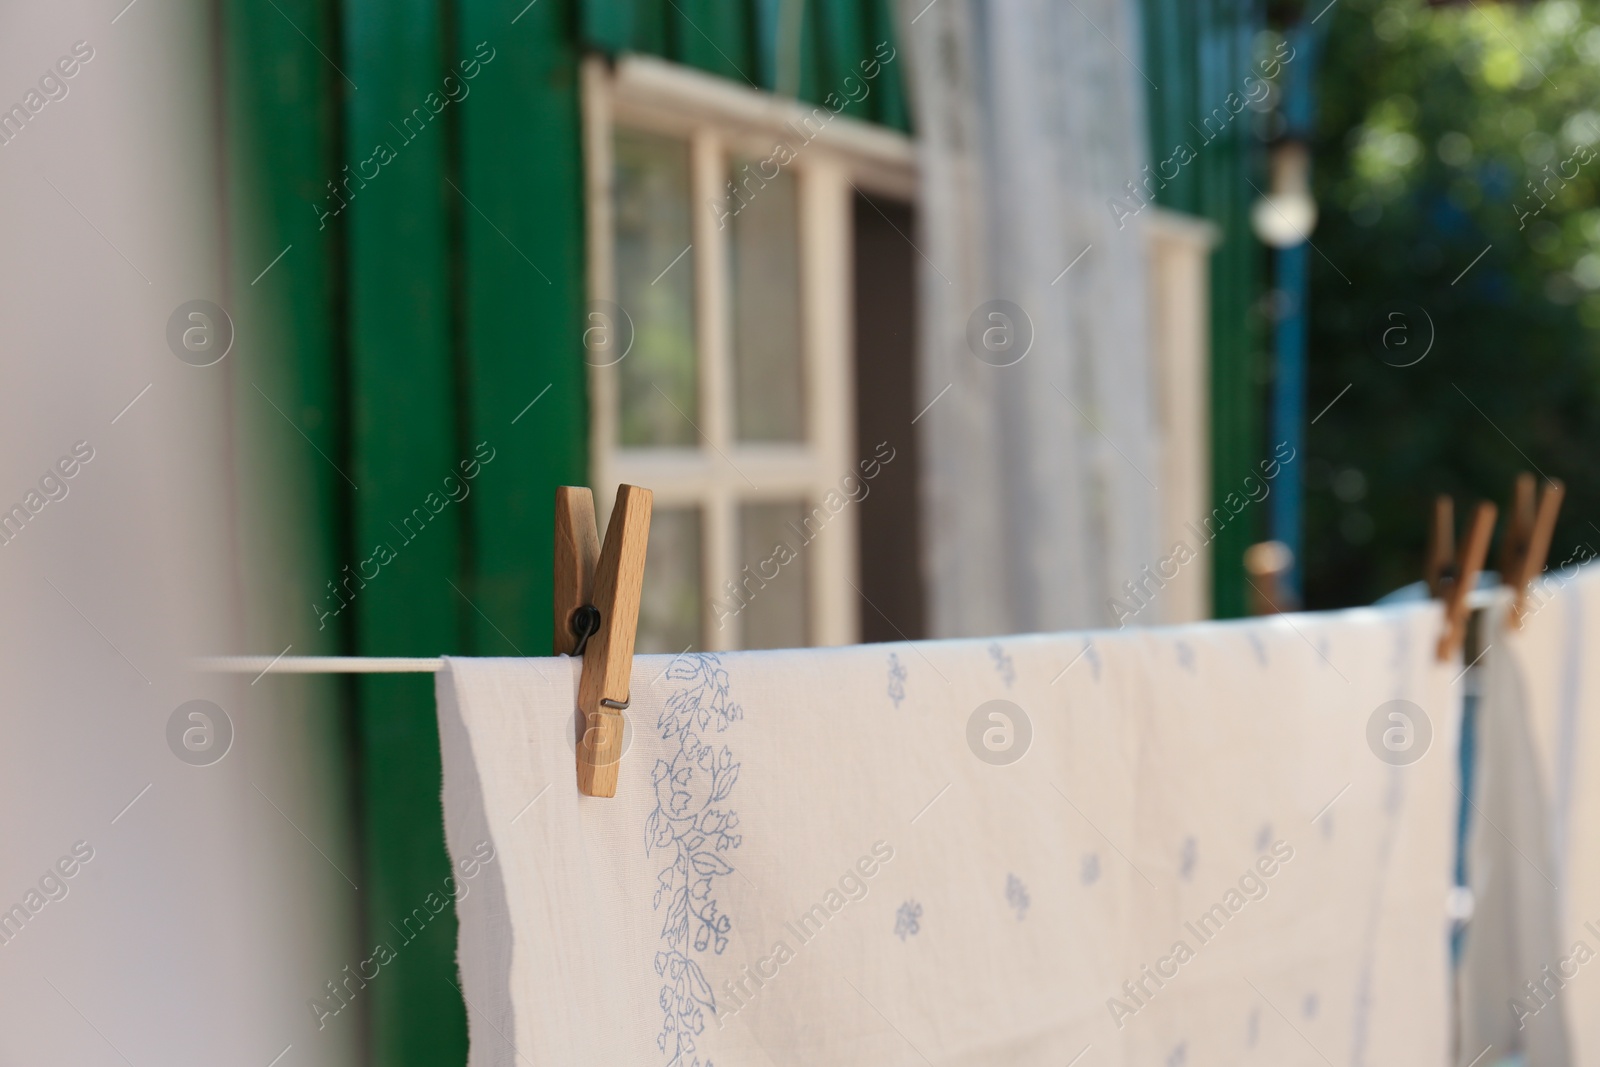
[
  {"x": 1197, "y": 52},
  {"x": 427, "y": 296},
  {"x": 420, "y": 161},
  {"x": 803, "y": 48}
]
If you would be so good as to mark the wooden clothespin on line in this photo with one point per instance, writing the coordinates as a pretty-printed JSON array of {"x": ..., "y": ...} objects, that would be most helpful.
[
  {"x": 1527, "y": 540},
  {"x": 597, "y": 590},
  {"x": 1451, "y": 574},
  {"x": 1439, "y": 565}
]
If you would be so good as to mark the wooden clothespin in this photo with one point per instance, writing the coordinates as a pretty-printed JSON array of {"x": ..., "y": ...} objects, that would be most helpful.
[
  {"x": 1527, "y": 540},
  {"x": 1456, "y": 580},
  {"x": 1439, "y": 567},
  {"x": 597, "y": 590},
  {"x": 1519, "y": 526}
]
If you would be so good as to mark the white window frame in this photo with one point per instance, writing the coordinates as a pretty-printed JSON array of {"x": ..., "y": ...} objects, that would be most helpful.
[
  {"x": 1179, "y": 247},
  {"x": 717, "y": 116}
]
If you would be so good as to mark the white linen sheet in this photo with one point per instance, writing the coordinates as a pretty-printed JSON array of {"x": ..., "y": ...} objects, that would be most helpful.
[
  {"x": 1529, "y": 983},
  {"x": 1166, "y": 847}
]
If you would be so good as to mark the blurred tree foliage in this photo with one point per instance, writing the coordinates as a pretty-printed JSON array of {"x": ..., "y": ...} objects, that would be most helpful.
[{"x": 1443, "y": 131}]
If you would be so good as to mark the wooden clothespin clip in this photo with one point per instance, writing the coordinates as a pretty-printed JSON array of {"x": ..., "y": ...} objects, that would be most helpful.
[
  {"x": 1457, "y": 580},
  {"x": 1439, "y": 567},
  {"x": 597, "y": 590},
  {"x": 1527, "y": 540}
]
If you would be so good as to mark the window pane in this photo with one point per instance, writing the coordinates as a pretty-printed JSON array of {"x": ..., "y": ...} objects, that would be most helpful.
[
  {"x": 764, "y": 273},
  {"x": 669, "y": 606},
  {"x": 774, "y": 586},
  {"x": 656, "y": 289}
]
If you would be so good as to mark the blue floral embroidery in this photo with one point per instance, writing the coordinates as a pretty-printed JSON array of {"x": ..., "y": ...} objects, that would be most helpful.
[
  {"x": 906, "y": 920},
  {"x": 1002, "y": 663},
  {"x": 1259, "y": 647},
  {"x": 897, "y": 679},
  {"x": 1017, "y": 895},
  {"x": 1090, "y": 873},
  {"x": 691, "y": 824}
]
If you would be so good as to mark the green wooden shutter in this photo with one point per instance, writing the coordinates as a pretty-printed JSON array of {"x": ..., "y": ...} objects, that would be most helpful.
[
  {"x": 398, "y": 229},
  {"x": 741, "y": 40},
  {"x": 436, "y": 313}
]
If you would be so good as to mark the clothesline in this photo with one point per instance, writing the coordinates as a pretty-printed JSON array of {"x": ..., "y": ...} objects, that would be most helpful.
[
  {"x": 1479, "y": 598},
  {"x": 319, "y": 664}
]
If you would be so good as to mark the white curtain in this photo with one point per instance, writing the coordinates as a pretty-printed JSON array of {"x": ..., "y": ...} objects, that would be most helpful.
[{"x": 1040, "y": 476}]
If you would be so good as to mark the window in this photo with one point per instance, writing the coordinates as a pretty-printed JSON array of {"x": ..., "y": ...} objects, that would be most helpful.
[{"x": 720, "y": 340}]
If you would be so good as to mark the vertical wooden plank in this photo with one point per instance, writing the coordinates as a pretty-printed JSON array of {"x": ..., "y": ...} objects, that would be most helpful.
[
  {"x": 842, "y": 47},
  {"x": 652, "y": 29},
  {"x": 766, "y": 19},
  {"x": 599, "y": 269},
  {"x": 606, "y": 24},
  {"x": 889, "y": 106},
  {"x": 281, "y": 132},
  {"x": 405, "y": 547},
  {"x": 714, "y": 36},
  {"x": 522, "y": 252},
  {"x": 811, "y": 84}
]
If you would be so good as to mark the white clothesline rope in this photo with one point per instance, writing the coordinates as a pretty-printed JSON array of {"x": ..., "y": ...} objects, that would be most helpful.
[
  {"x": 1479, "y": 598},
  {"x": 319, "y": 664}
]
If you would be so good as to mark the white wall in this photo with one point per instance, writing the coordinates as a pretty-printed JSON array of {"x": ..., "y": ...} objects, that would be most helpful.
[{"x": 205, "y": 919}]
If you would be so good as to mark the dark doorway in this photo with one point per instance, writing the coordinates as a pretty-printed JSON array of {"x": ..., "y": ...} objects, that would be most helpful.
[{"x": 885, "y": 340}]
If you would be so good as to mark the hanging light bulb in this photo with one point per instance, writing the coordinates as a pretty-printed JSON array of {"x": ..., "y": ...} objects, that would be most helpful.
[{"x": 1286, "y": 216}]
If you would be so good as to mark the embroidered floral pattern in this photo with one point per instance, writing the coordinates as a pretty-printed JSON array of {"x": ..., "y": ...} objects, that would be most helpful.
[
  {"x": 691, "y": 825},
  {"x": 1003, "y": 664},
  {"x": 1017, "y": 895},
  {"x": 897, "y": 679},
  {"x": 1259, "y": 647},
  {"x": 907, "y": 920}
]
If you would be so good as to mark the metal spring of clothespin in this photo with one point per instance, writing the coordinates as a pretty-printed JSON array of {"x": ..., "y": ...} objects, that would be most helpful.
[{"x": 597, "y": 593}]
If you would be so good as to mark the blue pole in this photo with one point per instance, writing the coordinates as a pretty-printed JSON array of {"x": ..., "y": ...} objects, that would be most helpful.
[
  {"x": 1291, "y": 277},
  {"x": 1292, "y": 280}
]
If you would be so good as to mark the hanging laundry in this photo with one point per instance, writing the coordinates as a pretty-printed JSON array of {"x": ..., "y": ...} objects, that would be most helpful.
[
  {"x": 1529, "y": 983},
  {"x": 1227, "y": 842}
]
